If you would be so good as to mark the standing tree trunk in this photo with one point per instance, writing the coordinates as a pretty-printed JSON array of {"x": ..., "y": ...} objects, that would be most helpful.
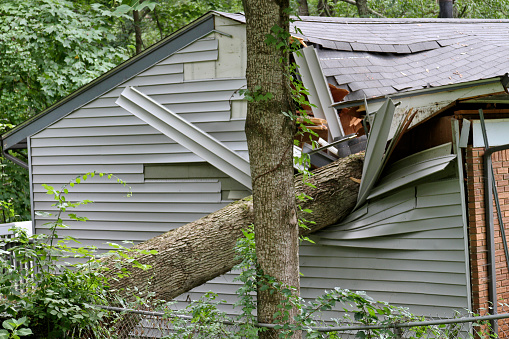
[
  {"x": 137, "y": 31},
  {"x": 446, "y": 8},
  {"x": 362, "y": 8},
  {"x": 303, "y": 7},
  {"x": 270, "y": 143}
]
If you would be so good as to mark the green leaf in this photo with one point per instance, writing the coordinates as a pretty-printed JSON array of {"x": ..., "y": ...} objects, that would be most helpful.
[
  {"x": 122, "y": 9},
  {"x": 24, "y": 331},
  {"x": 9, "y": 324}
]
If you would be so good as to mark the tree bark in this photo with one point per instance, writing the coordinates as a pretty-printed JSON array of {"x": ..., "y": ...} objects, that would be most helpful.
[
  {"x": 137, "y": 31},
  {"x": 324, "y": 8},
  {"x": 362, "y": 8},
  {"x": 270, "y": 137},
  {"x": 303, "y": 7},
  {"x": 204, "y": 249}
]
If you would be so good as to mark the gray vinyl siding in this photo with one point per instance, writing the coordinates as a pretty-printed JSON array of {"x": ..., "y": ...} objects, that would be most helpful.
[
  {"x": 103, "y": 137},
  {"x": 406, "y": 248}
]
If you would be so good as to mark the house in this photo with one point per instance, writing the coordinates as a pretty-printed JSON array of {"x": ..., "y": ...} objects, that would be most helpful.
[{"x": 170, "y": 122}]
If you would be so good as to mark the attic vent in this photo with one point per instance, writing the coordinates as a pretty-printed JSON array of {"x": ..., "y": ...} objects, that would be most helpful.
[{"x": 196, "y": 172}]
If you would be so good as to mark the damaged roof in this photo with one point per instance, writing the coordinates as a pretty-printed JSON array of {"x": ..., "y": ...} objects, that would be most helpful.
[
  {"x": 368, "y": 57},
  {"x": 376, "y": 57},
  {"x": 384, "y": 56}
]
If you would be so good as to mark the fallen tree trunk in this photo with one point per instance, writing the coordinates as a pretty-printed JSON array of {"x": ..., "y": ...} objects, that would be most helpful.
[{"x": 204, "y": 249}]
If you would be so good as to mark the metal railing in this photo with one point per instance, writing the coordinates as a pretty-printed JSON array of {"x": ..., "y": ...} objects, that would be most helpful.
[{"x": 136, "y": 323}]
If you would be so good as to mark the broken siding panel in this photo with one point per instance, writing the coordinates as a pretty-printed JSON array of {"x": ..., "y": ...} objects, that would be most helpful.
[
  {"x": 420, "y": 264},
  {"x": 424, "y": 246}
]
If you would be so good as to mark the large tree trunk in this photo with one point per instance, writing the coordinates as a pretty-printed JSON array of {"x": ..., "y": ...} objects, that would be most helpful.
[
  {"x": 204, "y": 249},
  {"x": 270, "y": 136}
]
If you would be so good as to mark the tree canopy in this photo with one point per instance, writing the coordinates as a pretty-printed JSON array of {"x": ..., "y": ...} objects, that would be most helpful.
[{"x": 48, "y": 49}]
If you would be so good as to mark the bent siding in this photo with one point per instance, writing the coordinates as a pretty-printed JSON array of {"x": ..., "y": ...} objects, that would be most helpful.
[
  {"x": 406, "y": 248},
  {"x": 102, "y": 136}
]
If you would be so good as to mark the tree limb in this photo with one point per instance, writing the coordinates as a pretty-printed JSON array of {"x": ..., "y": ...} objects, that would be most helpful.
[{"x": 352, "y": 2}]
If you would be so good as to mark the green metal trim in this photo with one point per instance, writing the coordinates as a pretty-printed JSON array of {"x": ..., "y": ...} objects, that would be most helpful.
[
  {"x": 375, "y": 150},
  {"x": 159, "y": 51},
  {"x": 502, "y": 79}
]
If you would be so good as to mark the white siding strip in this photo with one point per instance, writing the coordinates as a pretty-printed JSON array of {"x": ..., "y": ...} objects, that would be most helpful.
[
  {"x": 209, "y": 127},
  {"x": 178, "y": 58},
  {"x": 126, "y": 149},
  {"x": 201, "y": 197},
  {"x": 189, "y": 86},
  {"x": 163, "y": 69},
  {"x": 155, "y": 80},
  {"x": 119, "y": 159},
  {"x": 191, "y": 137},
  {"x": 323, "y": 92},
  {"x": 63, "y": 178},
  {"x": 167, "y": 188},
  {"x": 132, "y": 207},
  {"x": 92, "y": 225},
  {"x": 73, "y": 169},
  {"x": 200, "y": 45},
  {"x": 119, "y": 140}
]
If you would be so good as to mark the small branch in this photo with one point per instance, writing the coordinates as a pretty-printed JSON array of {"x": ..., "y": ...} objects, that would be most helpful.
[{"x": 352, "y": 2}]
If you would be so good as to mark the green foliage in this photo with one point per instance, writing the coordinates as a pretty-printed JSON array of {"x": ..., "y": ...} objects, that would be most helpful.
[
  {"x": 48, "y": 49},
  {"x": 160, "y": 18},
  {"x": 54, "y": 297},
  {"x": 481, "y": 9},
  {"x": 14, "y": 328}
]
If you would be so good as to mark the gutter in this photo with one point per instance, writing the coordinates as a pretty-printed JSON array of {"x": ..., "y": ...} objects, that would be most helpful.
[{"x": 504, "y": 80}]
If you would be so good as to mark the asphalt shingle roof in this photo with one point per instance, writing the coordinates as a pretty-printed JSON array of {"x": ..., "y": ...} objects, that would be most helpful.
[{"x": 376, "y": 57}]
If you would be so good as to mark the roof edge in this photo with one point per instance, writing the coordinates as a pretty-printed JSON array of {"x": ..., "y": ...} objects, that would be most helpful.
[{"x": 503, "y": 79}]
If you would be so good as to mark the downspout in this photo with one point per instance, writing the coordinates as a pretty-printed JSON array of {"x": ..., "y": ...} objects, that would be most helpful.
[{"x": 490, "y": 192}]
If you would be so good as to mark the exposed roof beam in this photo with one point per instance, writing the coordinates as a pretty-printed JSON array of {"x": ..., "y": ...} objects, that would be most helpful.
[{"x": 186, "y": 134}]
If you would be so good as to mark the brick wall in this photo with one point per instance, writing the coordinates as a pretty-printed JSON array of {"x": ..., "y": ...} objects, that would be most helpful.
[{"x": 477, "y": 228}]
